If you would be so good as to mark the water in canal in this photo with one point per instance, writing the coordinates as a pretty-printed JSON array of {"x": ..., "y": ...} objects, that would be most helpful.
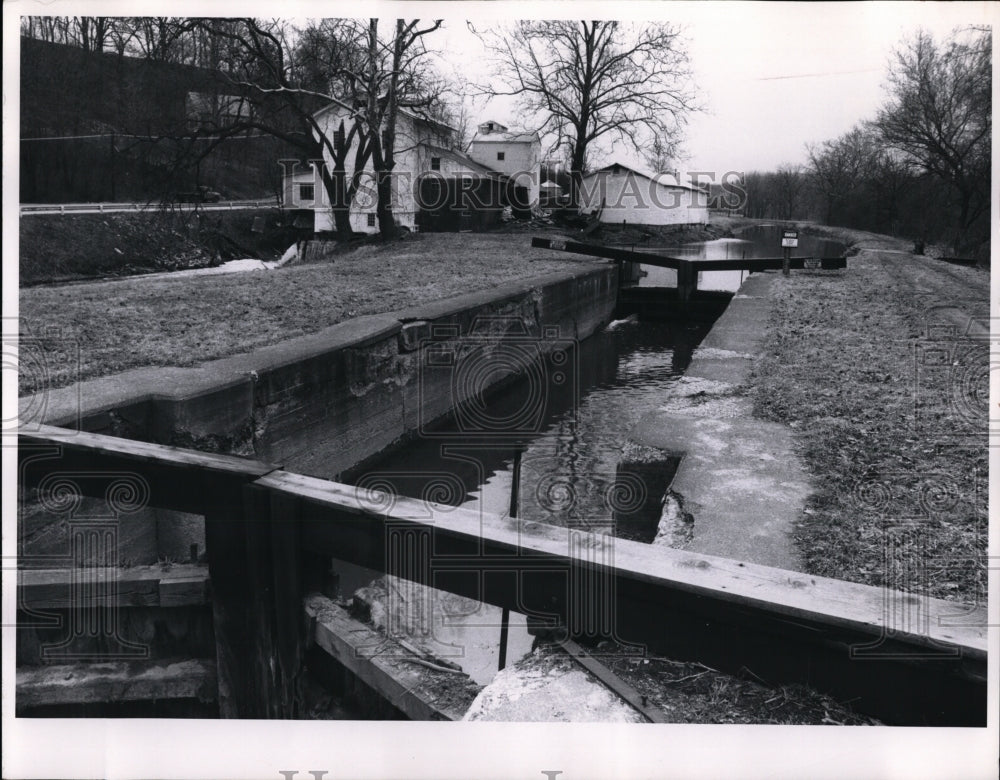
[
  {"x": 572, "y": 419},
  {"x": 753, "y": 242},
  {"x": 569, "y": 455}
]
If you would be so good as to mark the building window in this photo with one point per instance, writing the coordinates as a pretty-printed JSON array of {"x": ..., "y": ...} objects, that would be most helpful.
[
  {"x": 371, "y": 220},
  {"x": 435, "y": 163},
  {"x": 499, "y": 155},
  {"x": 307, "y": 192}
]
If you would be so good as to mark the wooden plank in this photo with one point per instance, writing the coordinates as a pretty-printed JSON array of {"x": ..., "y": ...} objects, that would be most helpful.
[
  {"x": 184, "y": 591},
  {"x": 665, "y": 261},
  {"x": 611, "y": 253},
  {"x": 768, "y": 264},
  {"x": 687, "y": 281},
  {"x": 171, "y": 477},
  {"x": 786, "y": 593},
  {"x": 138, "y": 586},
  {"x": 784, "y": 626},
  {"x": 114, "y": 682},
  {"x": 253, "y": 556},
  {"x": 275, "y": 649},
  {"x": 97, "y": 445},
  {"x": 226, "y": 545},
  {"x": 613, "y": 682},
  {"x": 380, "y": 663}
]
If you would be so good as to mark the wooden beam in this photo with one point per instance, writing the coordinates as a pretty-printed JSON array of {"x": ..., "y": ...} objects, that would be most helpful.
[
  {"x": 176, "y": 585},
  {"x": 665, "y": 261},
  {"x": 271, "y": 591},
  {"x": 418, "y": 692},
  {"x": 115, "y": 681},
  {"x": 613, "y": 682},
  {"x": 173, "y": 477},
  {"x": 258, "y": 566},
  {"x": 227, "y": 564},
  {"x": 844, "y": 638},
  {"x": 687, "y": 281},
  {"x": 141, "y": 452},
  {"x": 610, "y": 253},
  {"x": 187, "y": 480},
  {"x": 783, "y": 626},
  {"x": 771, "y": 264}
]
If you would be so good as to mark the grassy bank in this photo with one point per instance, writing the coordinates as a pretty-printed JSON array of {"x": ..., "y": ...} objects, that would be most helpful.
[
  {"x": 887, "y": 395},
  {"x": 81, "y": 246},
  {"x": 164, "y": 321}
]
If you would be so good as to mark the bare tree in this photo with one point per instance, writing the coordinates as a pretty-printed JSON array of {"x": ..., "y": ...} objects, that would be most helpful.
[
  {"x": 287, "y": 80},
  {"x": 661, "y": 154},
  {"x": 789, "y": 184},
  {"x": 939, "y": 115},
  {"x": 588, "y": 81},
  {"x": 331, "y": 58},
  {"x": 838, "y": 168},
  {"x": 90, "y": 33},
  {"x": 395, "y": 77}
]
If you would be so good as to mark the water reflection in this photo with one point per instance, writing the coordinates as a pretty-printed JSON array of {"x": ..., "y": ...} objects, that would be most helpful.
[
  {"x": 753, "y": 242},
  {"x": 569, "y": 465},
  {"x": 569, "y": 462}
]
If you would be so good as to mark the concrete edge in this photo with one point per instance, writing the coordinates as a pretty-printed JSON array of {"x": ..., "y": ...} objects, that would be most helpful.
[
  {"x": 708, "y": 422},
  {"x": 456, "y": 304},
  {"x": 141, "y": 388}
]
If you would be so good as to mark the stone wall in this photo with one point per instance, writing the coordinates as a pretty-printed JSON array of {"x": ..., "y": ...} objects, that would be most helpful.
[{"x": 321, "y": 403}]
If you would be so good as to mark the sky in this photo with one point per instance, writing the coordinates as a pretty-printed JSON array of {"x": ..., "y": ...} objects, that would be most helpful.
[{"x": 772, "y": 76}]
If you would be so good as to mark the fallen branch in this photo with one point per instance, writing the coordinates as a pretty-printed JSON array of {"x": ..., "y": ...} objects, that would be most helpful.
[{"x": 437, "y": 668}]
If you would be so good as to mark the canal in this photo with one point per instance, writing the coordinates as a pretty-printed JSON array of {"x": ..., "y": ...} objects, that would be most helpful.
[
  {"x": 569, "y": 454},
  {"x": 562, "y": 429},
  {"x": 753, "y": 242}
]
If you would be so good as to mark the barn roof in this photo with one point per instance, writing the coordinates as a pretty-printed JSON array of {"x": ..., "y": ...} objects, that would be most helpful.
[
  {"x": 462, "y": 158},
  {"x": 506, "y": 137},
  {"x": 335, "y": 102},
  {"x": 663, "y": 179}
]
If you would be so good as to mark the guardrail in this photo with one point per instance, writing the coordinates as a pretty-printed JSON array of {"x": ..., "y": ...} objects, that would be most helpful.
[
  {"x": 270, "y": 534},
  {"x": 112, "y": 208}
]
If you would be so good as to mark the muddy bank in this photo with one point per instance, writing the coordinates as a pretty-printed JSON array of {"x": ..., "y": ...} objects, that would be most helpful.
[
  {"x": 88, "y": 246},
  {"x": 658, "y": 235}
]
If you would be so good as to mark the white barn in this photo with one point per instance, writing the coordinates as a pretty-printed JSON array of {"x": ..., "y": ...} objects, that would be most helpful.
[
  {"x": 420, "y": 147},
  {"x": 516, "y": 153},
  {"x": 628, "y": 194}
]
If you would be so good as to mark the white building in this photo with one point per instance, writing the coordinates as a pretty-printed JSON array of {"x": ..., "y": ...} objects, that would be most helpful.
[
  {"x": 628, "y": 194},
  {"x": 517, "y": 153},
  {"x": 420, "y": 147}
]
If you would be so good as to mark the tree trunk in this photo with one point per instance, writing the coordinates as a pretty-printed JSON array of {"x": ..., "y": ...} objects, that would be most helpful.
[
  {"x": 335, "y": 183},
  {"x": 383, "y": 209},
  {"x": 576, "y": 174}
]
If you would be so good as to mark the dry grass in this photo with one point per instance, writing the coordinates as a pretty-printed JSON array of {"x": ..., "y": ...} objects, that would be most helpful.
[
  {"x": 140, "y": 322},
  {"x": 689, "y": 692},
  {"x": 896, "y": 445}
]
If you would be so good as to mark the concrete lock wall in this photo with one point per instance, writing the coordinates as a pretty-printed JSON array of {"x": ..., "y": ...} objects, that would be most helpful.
[{"x": 321, "y": 403}]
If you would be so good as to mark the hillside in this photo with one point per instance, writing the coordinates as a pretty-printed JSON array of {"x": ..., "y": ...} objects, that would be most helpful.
[
  {"x": 81, "y": 112},
  {"x": 81, "y": 246}
]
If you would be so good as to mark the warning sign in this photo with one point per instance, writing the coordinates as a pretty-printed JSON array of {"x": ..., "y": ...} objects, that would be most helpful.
[{"x": 790, "y": 238}]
